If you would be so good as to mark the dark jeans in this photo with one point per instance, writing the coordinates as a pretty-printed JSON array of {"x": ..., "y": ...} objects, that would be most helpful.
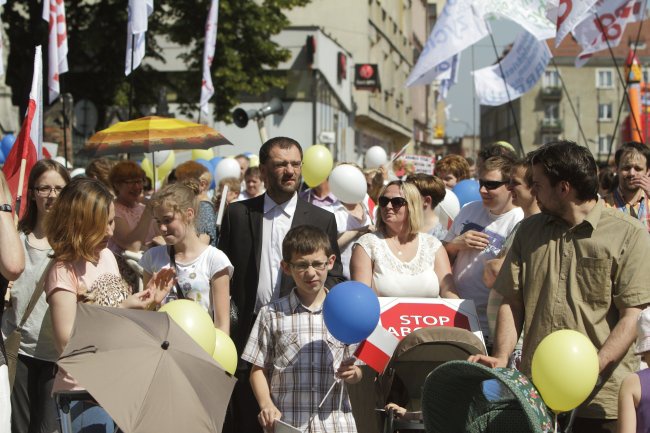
[
  {"x": 592, "y": 425},
  {"x": 33, "y": 410}
]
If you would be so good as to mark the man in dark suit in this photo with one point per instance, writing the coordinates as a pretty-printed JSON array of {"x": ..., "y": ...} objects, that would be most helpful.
[{"x": 251, "y": 236}]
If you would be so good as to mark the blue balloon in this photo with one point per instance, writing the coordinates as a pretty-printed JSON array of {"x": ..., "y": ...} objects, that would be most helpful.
[
  {"x": 208, "y": 164},
  {"x": 351, "y": 312},
  {"x": 7, "y": 143},
  {"x": 2, "y": 158},
  {"x": 214, "y": 161},
  {"x": 467, "y": 190}
]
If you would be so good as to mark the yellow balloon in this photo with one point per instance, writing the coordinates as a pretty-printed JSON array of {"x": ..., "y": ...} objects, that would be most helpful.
[
  {"x": 194, "y": 320},
  {"x": 206, "y": 154},
  {"x": 317, "y": 164},
  {"x": 225, "y": 352},
  {"x": 166, "y": 166},
  {"x": 148, "y": 168},
  {"x": 254, "y": 161},
  {"x": 565, "y": 369}
]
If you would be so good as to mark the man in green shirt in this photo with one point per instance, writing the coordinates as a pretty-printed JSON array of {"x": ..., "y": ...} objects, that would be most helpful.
[{"x": 577, "y": 265}]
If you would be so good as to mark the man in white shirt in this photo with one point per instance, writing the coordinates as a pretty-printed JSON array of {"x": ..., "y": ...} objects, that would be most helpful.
[
  {"x": 251, "y": 235},
  {"x": 479, "y": 232}
]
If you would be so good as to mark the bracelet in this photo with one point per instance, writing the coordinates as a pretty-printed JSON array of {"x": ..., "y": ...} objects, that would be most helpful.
[{"x": 6, "y": 208}]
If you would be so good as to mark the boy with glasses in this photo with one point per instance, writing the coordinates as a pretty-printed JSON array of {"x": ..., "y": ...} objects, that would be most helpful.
[
  {"x": 479, "y": 232},
  {"x": 298, "y": 367}
]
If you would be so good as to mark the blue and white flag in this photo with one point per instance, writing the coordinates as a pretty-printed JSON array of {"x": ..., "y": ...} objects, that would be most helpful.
[
  {"x": 458, "y": 27},
  {"x": 522, "y": 68}
]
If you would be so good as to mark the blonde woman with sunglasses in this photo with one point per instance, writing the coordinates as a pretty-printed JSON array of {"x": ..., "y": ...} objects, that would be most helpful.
[{"x": 398, "y": 260}]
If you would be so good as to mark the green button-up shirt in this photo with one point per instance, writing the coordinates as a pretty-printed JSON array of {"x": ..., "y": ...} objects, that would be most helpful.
[{"x": 579, "y": 278}]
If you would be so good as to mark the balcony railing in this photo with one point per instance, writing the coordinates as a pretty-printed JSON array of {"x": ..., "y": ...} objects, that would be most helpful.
[
  {"x": 551, "y": 92},
  {"x": 551, "y": 125}
]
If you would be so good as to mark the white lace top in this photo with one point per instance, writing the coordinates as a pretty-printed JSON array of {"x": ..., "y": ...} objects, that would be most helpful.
[{"x": 393, "y": 277}]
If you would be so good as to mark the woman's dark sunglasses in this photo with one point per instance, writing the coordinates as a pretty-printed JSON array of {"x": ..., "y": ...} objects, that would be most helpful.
[
  {"x": 397, "y": 202},
  {"x": 491, "y": 184}
]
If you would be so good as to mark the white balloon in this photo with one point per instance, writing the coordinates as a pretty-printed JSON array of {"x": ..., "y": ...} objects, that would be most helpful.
[
  {"x": 447, "y": 210},
  {"x": 375, "y": 157},
  {"x": 78, "y": 172},
  {"x": 227, "y": 167},
  {"x": 348, "y": 183},
  {"x": 158, "y": 158}
]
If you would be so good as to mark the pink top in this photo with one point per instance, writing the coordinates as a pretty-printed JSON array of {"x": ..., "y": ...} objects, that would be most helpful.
[
  {"x": 132, "y": 216},
  {"x": 80, "y": 277}
]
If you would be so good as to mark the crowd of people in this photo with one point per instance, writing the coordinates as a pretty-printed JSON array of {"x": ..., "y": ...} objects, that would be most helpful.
[{"x": 539, "y": 252}]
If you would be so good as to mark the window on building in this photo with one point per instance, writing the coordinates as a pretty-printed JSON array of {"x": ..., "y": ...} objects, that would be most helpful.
[
  {"x": 603, "y": 144},
  {"x": 604, "y": 78},
  {"x": 551, "y": 79},
  {"x": 605, "y": 112},
  {"x": 646, "y": 75},
  {"x": 551, "y": 112}
]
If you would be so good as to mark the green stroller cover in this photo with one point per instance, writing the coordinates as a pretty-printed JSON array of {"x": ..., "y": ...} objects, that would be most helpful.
[{"x": 465, "y": 397}]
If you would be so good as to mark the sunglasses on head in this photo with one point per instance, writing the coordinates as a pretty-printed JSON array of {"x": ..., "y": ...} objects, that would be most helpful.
[
  {"x": 396, "y": 202},
  {"x": 491, "y": 184}
]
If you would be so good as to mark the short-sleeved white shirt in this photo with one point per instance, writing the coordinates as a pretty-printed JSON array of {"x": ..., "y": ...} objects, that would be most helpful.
[
  {"x": 393, "y": 277},
  {"x": 193, "y": 277}
]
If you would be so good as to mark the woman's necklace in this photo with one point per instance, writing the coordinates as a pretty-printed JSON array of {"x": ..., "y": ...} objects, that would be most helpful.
[{"x": 397, "y": 246}]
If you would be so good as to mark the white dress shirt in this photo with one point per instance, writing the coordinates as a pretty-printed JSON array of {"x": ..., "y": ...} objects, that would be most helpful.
[{"x": 276, "y": 224}]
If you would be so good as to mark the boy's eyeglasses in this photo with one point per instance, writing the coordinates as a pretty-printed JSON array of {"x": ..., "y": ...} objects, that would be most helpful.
[
  {"x": 303, "y": 266},
  {"x": 45, "y": 191},
  {"x": 396, "y": 202},
  {"x": 491, "y": 184}
]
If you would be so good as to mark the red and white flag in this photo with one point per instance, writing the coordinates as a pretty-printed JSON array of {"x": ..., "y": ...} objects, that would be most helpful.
[
  {"x": 207, "y": 89},
  {"x": 57, "y": 48},
  {"x": 27, "y": 148},
  {"x": 139, "y": 11},
  {"x": 569, "y": 14},
  {"x": 605, "y": 24},
  {"x": 377, "y": 349}
]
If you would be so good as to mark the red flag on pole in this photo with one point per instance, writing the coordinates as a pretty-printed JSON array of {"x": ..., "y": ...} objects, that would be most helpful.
[
  {"x": 57, "y": 50},
  {"x": 27, "y": 148}
]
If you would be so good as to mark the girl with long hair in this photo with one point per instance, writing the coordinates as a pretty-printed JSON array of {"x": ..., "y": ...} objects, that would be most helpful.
[
  {"x": 78, "y": 228},
  {"x": 202, "y": 270}
]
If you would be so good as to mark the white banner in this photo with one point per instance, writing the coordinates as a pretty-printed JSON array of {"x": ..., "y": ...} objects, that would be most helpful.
[
  {"x": 458, "y": 27},
  {"x": 530, "y": 14},
  {"x": 139, "y": 11},
  {"x": 569, "y": 14},
  {"x": 522, "y": 67},
  {"x": 2, "y": 64},
  {"x": 57, "y": 48},
  {"x": 207, "y": 89},
  {"x": 593, "y": 33}
]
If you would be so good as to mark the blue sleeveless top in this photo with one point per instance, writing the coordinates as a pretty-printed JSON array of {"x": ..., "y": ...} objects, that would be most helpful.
[{"x": 643, "y": 410}]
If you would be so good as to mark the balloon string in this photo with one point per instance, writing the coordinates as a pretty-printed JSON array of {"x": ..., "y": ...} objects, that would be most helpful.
[{"x": 555, "y": 423}]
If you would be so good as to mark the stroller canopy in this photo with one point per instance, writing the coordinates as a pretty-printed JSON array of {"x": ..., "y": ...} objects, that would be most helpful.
[{"x": 461, "y": 397}]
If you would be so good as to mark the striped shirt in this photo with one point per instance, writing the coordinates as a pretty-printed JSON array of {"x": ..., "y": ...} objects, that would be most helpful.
[{"x": 300, "y": 358}]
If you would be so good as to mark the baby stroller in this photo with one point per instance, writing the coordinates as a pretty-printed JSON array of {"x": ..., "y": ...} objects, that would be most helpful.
[
  {"x": 464, "y": 397},
  {"x": 417, "y": 355}
]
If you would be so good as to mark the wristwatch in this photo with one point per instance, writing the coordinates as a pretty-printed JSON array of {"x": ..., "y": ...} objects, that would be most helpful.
[{"x": 5, "y": 207}]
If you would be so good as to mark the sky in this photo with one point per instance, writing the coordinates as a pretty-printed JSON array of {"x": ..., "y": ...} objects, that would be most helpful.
[{"x": 461, "y": 96}]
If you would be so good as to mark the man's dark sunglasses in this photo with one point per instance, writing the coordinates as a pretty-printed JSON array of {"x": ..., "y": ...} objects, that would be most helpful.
[
  {"x": 491, "y": 184},
  {"x": 397, "y": 202}
]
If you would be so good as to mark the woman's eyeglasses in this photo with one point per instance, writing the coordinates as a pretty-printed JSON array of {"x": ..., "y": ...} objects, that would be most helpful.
[
  {"x": 396, "y": 202},
  {"x": 45, "y": 191},
  {"x": 491, "y": 184}
]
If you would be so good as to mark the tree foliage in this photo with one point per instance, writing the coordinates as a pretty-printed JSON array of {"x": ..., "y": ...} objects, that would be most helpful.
[{"x": 97, "y": 46}]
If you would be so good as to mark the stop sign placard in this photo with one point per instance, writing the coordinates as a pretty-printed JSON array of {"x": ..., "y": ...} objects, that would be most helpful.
[
  {"x": 401, "y": 316},
  {"x": 404, "y": 318}
]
